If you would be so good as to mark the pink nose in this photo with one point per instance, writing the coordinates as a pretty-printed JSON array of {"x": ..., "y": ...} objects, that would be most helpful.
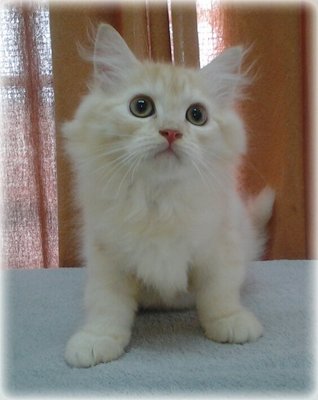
[{"x": 171, "y": 135}]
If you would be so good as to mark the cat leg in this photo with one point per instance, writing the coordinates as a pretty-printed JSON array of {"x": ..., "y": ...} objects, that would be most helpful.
[
  {"x": 221, "y": 314},
  {"x": 111, "y": 305}
]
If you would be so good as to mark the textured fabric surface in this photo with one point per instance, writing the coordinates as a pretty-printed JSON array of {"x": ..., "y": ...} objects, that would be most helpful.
[
  {"x": 168, "y": 353},
  {"x": 28, "y": 200}
]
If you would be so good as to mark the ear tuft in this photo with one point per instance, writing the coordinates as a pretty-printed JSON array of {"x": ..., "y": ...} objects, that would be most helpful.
[
  {"x": 224, "y": 75},
  {"x": 112, "y": 57}
]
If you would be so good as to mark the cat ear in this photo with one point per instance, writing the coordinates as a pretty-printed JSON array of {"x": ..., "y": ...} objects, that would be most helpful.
[
  {"x": 112, "y": 57},
  {"x": 224, "y": 75}
]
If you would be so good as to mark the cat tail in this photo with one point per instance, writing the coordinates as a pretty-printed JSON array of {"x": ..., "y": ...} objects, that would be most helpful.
[{"x": 260, "y": 208}]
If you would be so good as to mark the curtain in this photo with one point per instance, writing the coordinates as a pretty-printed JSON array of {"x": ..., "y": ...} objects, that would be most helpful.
[
  {"x": 39, "y": 218},
  {"x": 28, "y": 150},
  {"x": 275, "y": 116}
]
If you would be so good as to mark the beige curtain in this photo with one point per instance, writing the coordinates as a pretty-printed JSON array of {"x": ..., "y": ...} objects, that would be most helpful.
[{"x": 29, "y": 231}]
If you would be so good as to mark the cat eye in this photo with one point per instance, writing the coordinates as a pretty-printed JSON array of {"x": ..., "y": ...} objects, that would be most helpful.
[
  {"x": 142, "y": 106},
  {"x": 196, "y": 114}
]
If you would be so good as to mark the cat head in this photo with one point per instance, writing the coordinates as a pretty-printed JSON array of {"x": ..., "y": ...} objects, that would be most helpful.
[{"x": 159, "y": 119}]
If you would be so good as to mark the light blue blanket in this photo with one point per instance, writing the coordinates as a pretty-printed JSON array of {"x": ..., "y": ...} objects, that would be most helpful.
[{"x": 168, "y": 354}]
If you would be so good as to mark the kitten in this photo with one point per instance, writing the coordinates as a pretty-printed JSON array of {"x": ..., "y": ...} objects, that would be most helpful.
[{"x": 155, "y": 148}]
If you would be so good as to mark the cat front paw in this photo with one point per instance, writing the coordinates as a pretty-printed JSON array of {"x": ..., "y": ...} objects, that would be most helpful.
[
  {"x": 240, "y": 327},
  {"x": 86, "y": 349}
]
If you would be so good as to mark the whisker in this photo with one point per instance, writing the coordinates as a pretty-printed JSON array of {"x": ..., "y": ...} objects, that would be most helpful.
[
  {"x": 108, "y": 164},
  {"x": 130, "y": 161},
  {"x": 117, "y": 167},
  {"x": 102, "y": 154},
  {"x": 200, "y": 173},
  {"x": 204, "y": 166},
  {"x": 132, "y": 178},
  {"x": 126, "y": 175}
]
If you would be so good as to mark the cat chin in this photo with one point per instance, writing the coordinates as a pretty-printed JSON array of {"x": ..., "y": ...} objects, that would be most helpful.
[{"x": 166, "y": 165}]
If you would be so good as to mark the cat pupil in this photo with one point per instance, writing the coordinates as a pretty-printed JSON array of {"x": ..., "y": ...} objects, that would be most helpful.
[
  {"x": 142, "y": 105},
  {"x": 196, "y": 114}
]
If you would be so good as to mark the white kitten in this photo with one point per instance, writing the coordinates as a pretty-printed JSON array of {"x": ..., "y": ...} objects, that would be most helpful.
[{"x": 155, "y": 148}]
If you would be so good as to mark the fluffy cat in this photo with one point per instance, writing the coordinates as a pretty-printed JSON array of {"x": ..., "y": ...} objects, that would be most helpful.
[{"x": 155, "y": 148}]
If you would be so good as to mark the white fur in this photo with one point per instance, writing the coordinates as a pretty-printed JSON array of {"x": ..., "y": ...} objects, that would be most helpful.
[{"x": 156, "y": 226}]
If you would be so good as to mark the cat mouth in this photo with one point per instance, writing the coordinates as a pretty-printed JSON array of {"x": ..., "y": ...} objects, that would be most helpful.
[{"x": 168, "y": 152}]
